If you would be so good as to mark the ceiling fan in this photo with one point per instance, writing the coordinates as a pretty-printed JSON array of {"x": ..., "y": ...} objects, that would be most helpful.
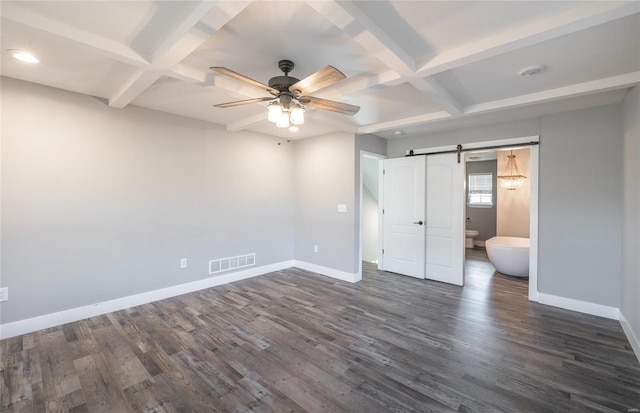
[{"x": 290, "y": 95}]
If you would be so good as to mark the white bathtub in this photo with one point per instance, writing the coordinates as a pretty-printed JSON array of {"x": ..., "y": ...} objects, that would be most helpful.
[{"x": 509, "y": 255}]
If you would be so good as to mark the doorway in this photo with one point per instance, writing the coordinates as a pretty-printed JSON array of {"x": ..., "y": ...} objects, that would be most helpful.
[
  {"x": 370, "y": 175},
  {"x": 533, "y": 213},
  {"x": 497, "y": 209}
]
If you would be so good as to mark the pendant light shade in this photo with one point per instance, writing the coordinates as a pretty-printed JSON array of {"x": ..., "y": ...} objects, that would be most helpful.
[
  {"x": 297, "y": 115},
  {"x": 283, "y": 121},
  {"x": 275, "y": 112},
  {"x": 511, "y": 177}
]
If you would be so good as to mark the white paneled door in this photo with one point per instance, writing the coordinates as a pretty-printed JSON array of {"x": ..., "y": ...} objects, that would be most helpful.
[
  {"x": 403, "y": 204},
  {"x": 445, "y": 219}
]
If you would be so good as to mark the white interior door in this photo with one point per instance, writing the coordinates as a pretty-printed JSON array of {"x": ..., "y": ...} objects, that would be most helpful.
[
  {"x": 445, "y": 219},
  {"x": 403, "y": 204}
]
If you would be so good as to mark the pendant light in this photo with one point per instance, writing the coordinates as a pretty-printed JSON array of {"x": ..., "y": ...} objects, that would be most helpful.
[
  {"x": 511, "y": 178},
  {"x": 297, "y": 115},
  {"x": 283, "y": 121},
  {"x": 275, "y": 112}
]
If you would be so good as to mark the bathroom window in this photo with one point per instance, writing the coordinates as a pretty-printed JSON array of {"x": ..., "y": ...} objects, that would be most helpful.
[{"x": 480, "y": 192}]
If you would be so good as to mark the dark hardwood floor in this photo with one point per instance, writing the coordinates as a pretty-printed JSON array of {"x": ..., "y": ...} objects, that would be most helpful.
[{"x": 295, "y": 341}]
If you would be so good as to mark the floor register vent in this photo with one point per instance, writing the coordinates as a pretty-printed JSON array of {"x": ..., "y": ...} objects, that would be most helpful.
[{"x": 231, "y": 263}]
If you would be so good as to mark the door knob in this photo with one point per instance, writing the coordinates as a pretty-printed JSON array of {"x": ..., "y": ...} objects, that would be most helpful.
[{"x": 419, "y": 222}]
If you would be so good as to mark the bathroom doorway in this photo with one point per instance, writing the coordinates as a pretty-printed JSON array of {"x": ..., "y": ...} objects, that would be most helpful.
[{"x": 496, "y": 213}]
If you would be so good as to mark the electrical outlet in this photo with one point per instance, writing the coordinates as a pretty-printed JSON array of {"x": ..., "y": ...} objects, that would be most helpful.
[
  {"x": 183, "y": 263},
  {"x": 4, "y": 294},
  {"x": 315, "y": 248}
]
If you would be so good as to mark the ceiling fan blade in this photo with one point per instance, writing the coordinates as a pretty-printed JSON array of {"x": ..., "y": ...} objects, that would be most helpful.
[
  {"x": 242, "y": 102},
  {"x": 255, "y": 83},
  {"x": 324, "y": 77},
  {"x": 331, "y": 105}
]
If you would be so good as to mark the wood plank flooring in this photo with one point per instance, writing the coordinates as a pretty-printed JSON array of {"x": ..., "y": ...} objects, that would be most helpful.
[{"x": 293, "y": 341}]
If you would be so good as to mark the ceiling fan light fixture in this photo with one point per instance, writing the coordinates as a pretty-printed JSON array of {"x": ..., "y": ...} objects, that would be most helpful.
[
  {"x": 297, "y": 115},
  {"x": 275, "y": 112}
]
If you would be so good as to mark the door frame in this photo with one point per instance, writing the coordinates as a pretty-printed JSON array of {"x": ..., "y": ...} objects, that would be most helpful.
[
  {"x": 367, "y": 154},
  {"x": 533, "y": 203}
]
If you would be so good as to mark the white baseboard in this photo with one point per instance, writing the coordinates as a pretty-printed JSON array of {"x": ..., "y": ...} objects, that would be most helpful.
[
  {"x": 631, "y": 336},
  {"x": 329, "y": 272},
  {"x": 478, "y": 243},
  {"x": 580, "y": 306},
  {"x": 79, "y": 313}
]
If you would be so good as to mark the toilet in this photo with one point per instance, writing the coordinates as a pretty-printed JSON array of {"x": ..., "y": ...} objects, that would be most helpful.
[{"x": 470, "y": 234}]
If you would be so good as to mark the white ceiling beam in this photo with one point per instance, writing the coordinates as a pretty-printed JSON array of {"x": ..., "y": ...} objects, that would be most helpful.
[
  {"x": 137, "y": 83},
  {"x": 322, "y": 116},
  {"x": 359, "y": 83},
  {"x": 177, "y": 45},
  {"x": 438, "y": 95},
  {"x": 580, "y": 89},
  {"x": 374, "y": 38},
  {"x": 403, "y": 123},
  {"x": 590, "y": 15},
  {"x": 565, "y": 92},
  {"x": 188, "y": 74},
  {"x": 185, "y": 38},
  {"x": 347, "y": 16},
  {"x": 97, "y": 43}
]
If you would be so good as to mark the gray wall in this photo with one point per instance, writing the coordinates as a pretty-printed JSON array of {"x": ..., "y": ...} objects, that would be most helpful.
[
  {"x": 482, "y": 219},
  {"x": 579, "y": 238},
  {"x": 101, "y": 203},
  {"x": 580, "y": 205},
  {"x": 630, "y": 307},
  {"x": 324, "y": 178}
]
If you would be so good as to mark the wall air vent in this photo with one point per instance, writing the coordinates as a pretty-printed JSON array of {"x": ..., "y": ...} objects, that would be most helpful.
[{"x": 231, "y": 263}]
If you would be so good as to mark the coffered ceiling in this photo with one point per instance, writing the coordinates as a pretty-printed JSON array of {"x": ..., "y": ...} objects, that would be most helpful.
[{"x": 412, "y": 66}]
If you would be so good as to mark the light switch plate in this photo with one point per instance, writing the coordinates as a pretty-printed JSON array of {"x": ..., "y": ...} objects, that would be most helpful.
[{"x": 342, "y": 207}]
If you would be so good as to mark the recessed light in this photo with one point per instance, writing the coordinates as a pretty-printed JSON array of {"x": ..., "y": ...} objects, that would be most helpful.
[
  {"x": 398, "y": 132},
  {"x": 531, "y": 70},
  {"x": 23, "y": 56}
]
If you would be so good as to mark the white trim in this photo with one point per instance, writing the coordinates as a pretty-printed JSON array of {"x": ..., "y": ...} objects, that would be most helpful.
[
  {"x": 633, "y": 339},
  {"x": 79, "y": 313},
  {"x": 580, "y": 306},
  {"x": 370, "y": 155},
  {"x": 329, "y": 272},
  {"x": 534, "y": 179}
]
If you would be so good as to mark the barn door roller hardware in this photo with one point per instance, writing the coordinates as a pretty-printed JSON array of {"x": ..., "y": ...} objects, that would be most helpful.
[{"x": 459, "y": 149}]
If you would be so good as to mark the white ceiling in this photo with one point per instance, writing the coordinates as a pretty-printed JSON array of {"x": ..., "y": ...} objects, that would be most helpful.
[{"x": 412, "y": 66}]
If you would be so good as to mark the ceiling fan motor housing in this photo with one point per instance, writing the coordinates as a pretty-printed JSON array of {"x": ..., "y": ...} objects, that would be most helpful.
[{"x": 282, "y": 83}]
